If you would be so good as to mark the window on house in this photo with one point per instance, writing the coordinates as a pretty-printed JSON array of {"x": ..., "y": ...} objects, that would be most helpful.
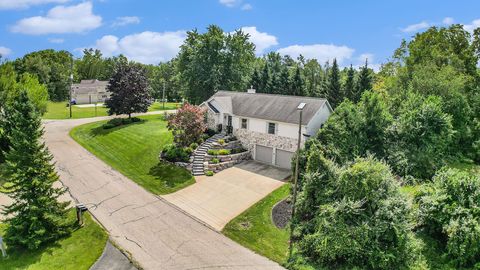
[
  {"x": 271, "y": 128},
  {"x": 244, "y": 123}
]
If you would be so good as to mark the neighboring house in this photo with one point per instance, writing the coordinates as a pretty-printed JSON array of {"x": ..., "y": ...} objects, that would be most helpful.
[
  {"x": 90, "y": 91},
  {"x": 266, "y": 124}
]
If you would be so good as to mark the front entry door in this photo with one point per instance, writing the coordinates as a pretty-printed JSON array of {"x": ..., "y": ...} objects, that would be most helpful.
[{"x": 229, "y": 125}]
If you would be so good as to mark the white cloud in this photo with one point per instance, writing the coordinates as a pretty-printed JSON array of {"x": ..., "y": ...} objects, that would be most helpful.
[
  {"x": 230, "y": 3},
  {"x": 321, "y": 52},
  {"x": 246, "y": 7},
  {"x": 472, "y": 26},
  {"x": 18, "y": 4},
  {"x": 448, "y": 20},
  {"x": 56, "y": 40},
  {"x": 60, "y": 20},
  {"x": 262, "y": 40},
  {"x": 369, "y": 56},
  {"x": 146, "y": 47},
  {"x": 4, "y": 51},
  {"x": 415, "y": 27},
  {"x": 122, "y": 21}
]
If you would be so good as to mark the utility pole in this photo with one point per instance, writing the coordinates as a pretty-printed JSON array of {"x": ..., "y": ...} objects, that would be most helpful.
[
  {"x": 163, "y": 95},
  {"x": 71, "y": 84},
  {"x": 299, "y": 108}
]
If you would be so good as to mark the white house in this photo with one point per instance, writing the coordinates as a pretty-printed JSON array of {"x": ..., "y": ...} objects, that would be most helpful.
[
  {"x": 266, "y": 124},
  {"x": 90, "y": 91}
]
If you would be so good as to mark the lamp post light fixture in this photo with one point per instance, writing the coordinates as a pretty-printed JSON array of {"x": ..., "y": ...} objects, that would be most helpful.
[
  {"x": 71, "y": 85},
  {"x": 300, "y": 108}
]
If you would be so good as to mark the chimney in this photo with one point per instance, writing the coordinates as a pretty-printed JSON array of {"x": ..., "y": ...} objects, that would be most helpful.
[{"x": 251, "y": 90}]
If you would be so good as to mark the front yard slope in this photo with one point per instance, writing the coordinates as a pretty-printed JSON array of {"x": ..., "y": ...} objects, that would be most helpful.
[{"x": 133, "y": 150}]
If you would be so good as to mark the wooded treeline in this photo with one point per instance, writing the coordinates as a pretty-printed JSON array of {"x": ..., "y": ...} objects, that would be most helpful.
[{"x": 210, "y": 61}]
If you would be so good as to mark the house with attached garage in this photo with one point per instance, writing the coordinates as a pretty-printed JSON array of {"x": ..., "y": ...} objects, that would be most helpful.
[{"x": 266, "y": 124}]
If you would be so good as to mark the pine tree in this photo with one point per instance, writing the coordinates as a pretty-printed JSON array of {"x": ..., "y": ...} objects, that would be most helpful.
[
  {"x": 349, "y": 86},
  {"x": 36, "y": 216},
  {"x": 286, "y": 84},
  {"x": 255, "y": 80},
  {"x": 298, "y": 84},
  {"x": 266, "y": 81},
  {"x": 335, "y": 96},
  {"x": 364, "y": 82}
]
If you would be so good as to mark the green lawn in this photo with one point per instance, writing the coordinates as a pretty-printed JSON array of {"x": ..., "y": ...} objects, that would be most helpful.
[
  {"x": 133, "y": 150},
  {"x": 79, "y": 251},
  {"x": 59, "y": 110},
  {"x": 255, "y": 230}
]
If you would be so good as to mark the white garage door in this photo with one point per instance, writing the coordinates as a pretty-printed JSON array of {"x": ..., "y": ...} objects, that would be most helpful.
[
  {"x": 263, "y": 154},
  {"x": 283, "y": 159}
]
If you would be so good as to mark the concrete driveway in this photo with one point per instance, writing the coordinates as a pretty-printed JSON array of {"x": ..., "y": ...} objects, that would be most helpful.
[
  {"x": 156, "y": 234},
  {"x": 217, "y": 199}
]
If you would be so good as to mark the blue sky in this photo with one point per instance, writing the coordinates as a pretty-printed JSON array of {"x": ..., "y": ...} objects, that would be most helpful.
[{"x": 151, "y": 31}]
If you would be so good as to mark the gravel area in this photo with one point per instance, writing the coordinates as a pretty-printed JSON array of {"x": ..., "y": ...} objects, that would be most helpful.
[{"x": 281, "y": 213}]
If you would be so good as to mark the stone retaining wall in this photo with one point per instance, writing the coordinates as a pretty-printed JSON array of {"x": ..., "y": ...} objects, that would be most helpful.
[{"x": 226, "y": 161}]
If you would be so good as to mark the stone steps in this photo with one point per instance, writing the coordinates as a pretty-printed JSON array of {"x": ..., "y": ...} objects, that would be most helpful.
[{"x": 200, "y": 152}]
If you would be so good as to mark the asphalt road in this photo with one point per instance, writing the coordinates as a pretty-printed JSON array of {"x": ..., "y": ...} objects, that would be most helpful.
[{"x": 154, "y": 232}]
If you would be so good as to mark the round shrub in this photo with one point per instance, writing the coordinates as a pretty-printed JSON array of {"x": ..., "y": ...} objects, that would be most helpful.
[
  {"x": 224, "y": 152},
  {"x": 221, "y": 141},
  {"x": 173, "y": 153},
  {"x": 450, "y": 210},
  {"x": 194, "y": 145},
  {"x": 209, "y": 173},
  {"x": 212, "y": 152},
  {"x": 215, "y": 161}
]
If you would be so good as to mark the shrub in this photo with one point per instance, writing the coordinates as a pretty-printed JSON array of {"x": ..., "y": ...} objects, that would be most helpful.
[
  {"x": 194, "y": 145},
  {"x": 210, "y": 132},
  {"x": 173, "y": 153},
  {"x": 188, "y": 150},
  {"x": 224, "y": 152},
  {"x": 116, "y": 122},
  {"x": 221, "y": 141},
  {"x": 449, "y": 208},
  {"x": 214, "y": 161},
  {"x": 353, "y": 217},
  {"x": 187, "y": 125},
  {"x": 238, "y": 150},
  {"x": 212, "y": 152},
  {"x": 204, "y": 137},
  {"x": 209, "y": 173}
]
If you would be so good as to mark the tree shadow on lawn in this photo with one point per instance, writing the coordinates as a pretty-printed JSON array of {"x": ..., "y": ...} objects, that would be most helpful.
[
  {"x": 101, "y": 131},
  {"x": 172, "y": 176}
]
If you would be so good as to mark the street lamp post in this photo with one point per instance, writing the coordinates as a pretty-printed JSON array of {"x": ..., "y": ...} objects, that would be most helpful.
[
  {"x": 71, "y": 84},
  {"x": 163, "y": 95},
  {"x": 300, "y": 109}
]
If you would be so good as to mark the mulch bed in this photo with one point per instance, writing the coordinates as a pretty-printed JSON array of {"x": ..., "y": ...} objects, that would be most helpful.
[{"x": 281, "y": 213}]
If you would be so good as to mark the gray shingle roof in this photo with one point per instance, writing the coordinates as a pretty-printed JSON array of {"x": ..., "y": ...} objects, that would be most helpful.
[{"x": 279, "y": 108}]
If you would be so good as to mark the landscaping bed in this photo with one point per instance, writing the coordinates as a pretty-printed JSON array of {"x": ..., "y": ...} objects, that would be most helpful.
[{"x": 282, "y": 213}]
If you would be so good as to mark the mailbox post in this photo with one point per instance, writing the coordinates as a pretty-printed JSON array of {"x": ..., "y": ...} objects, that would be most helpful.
[{"x": 80, "y": 209}]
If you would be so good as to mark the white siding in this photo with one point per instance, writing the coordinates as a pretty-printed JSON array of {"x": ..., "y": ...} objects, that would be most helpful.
[
  {"x": 260, "y": 125},
  {"x": 317, "y": 120}
]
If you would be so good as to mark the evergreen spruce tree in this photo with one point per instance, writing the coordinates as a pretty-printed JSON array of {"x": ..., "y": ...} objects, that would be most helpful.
[
  {"x": 266, "y": 82},
  {"x": 298, "y": 84},
  {"x": 255, "y": 80},
  {"x": 36, "y": 215},
  {"x": 349, "y": 86},
  {"x": 364, "y": 82},
  {"x": 334, "y": 94},
  {"x": 286, "y": 84}
]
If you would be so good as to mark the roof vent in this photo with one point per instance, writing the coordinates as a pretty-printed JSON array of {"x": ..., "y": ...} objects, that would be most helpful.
[{"x": 251, "y": 90}]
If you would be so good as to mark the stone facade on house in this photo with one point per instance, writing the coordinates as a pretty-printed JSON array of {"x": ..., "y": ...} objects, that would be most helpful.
[
  {"x": 211, "y": 123},
  {"x": 250, "y": 138}
]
